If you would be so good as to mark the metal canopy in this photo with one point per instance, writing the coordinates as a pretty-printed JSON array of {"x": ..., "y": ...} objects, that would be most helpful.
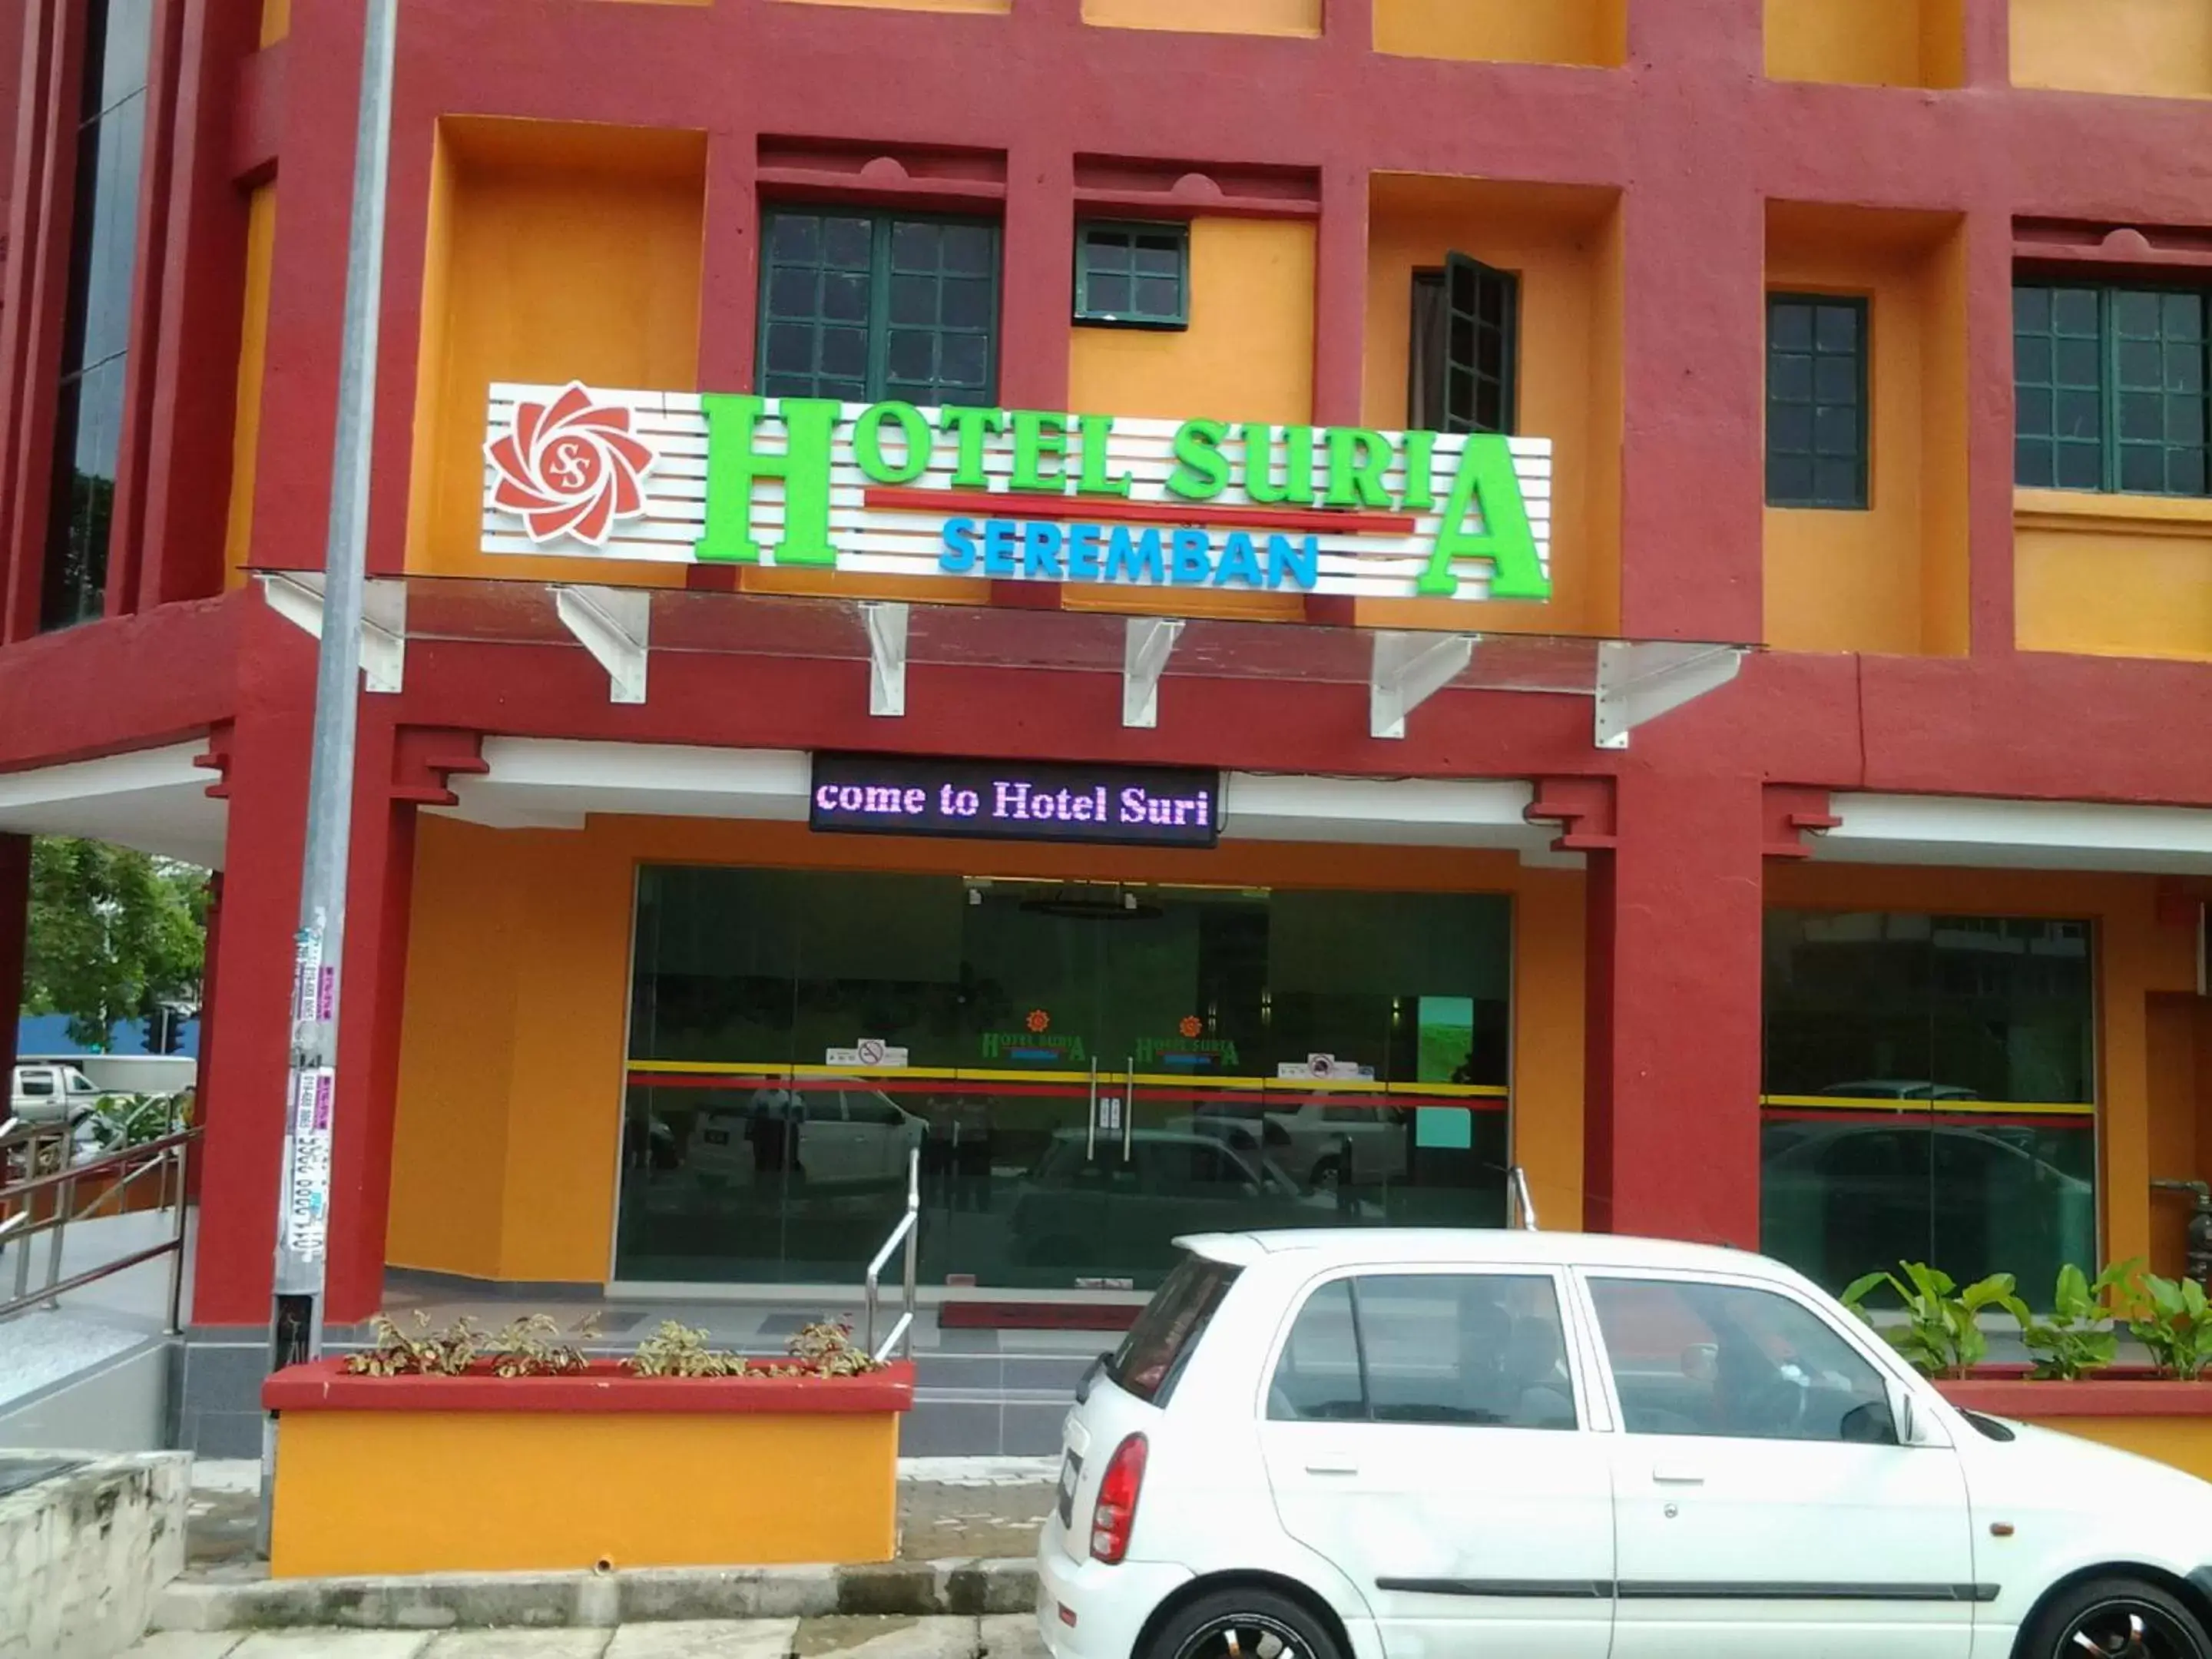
[{"x": 1627, "y": 682}]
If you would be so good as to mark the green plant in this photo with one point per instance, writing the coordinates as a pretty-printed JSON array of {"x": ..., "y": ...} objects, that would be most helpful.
[
  {"x": 1941, "y": 1336},
  {"x": 532, "y": 1346},
  {"x": 2176, "y": 1326},
  {"x": 677, "y": 1350},
  {"x": 420, "y": 1352},
  {"x": 118, "y": 1122},
  {"x": 827, "y": 1349},
  {"x": 2074, "y": 1341}
]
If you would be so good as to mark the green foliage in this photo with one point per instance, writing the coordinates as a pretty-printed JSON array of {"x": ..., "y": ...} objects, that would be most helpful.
[
  {"x": 114, "y": 932},
  {"x": 1941, "y": 1336},
  {"x": 2174, "y": 1326},
  {"x": 118, "y": 1122},
  {"x": 2075, "y": 1340}
]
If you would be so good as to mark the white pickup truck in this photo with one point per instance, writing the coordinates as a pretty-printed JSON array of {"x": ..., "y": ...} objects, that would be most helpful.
[{"x": 46, "y": 1093}]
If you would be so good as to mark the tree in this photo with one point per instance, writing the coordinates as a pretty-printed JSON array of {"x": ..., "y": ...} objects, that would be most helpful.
[{"x": 114, "y": 934}]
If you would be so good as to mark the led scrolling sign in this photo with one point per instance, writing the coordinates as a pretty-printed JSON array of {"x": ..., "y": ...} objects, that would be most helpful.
[
  {"x": 891, "y": 490},
  {"x": 1015, "y": 800}
]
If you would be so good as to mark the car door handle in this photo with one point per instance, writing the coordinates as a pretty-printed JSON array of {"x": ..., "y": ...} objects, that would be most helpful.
[
  {"x": 1674, "y": 1475},
  {"x": 1333, "y": 1468}
]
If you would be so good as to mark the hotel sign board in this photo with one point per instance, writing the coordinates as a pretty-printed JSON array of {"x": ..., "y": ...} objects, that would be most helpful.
[
  {"x": 891, "y": 490},
  {"x": 1015, "y": 800}
]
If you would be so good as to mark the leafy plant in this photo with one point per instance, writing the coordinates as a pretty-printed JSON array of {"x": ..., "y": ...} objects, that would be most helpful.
[
  {"x": 827, "y": 1349},
  {"x": 1941, "y": 1336},
  {"x": 420, "y": 1352},
  {"x": 2176, "y": 1326},
  {"x": 2075, "y": 1341},
  {"x": 118, "y": 1122},
  {"x": 533, "y": 1346},
  {"x": 677, "y": 1350}
]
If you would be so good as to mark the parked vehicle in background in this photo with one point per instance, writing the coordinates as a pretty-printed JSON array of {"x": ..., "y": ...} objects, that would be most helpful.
[
  {"x": 823, "y": 1136},
  {"x": 1400, "y": 1444},
  {"x": 1321, "y": 1139},
  {"x": 46, "y": 1093}
]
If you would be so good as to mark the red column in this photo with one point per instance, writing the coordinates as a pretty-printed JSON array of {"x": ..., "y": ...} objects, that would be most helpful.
[
  {"x": 15, "y": 929},
  {"x": 1671, "y": 1130}
]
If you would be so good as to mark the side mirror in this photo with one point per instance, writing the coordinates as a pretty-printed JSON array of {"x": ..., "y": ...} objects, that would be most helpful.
[{"x": 1903, "y": 1410}]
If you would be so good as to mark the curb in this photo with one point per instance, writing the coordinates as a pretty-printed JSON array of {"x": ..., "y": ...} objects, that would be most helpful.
[{"x": 545, "y": 1600}]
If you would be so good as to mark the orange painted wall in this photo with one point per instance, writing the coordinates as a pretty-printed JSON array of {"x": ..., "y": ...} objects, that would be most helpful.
[
  {"x": 2138, "y": 957},
  {"x": 1246, "y": 355},
  {"x": 2154, "y": 48},
  {"x": 992, "y": 7},
  {"x": 1292, "y": 17},
  {"x": 1564, "y": 243},
  {"x": 252, "y": 370},
  {"x": 2112, "y": 575},
  {"x": 555, "y": 252},
  {"x": 275, "y": 21},
  {"x": 506, "y": 1145},
  {"x": 1891, "y": 578},
  {"x": 2179, "y": 1034},
  {"x": 1881, "y": 43},
  {"x": 1591, "y": 31}
]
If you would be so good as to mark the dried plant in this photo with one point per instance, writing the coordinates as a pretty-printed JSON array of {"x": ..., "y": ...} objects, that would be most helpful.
[
  {"x": 677, "y": 1350},
  {"x": 533, "y": 1346},
  {"x": 420, "y": 1352}
]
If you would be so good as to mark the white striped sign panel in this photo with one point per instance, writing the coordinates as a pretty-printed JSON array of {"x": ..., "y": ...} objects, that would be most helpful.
[{"x": 886, "y": 489}]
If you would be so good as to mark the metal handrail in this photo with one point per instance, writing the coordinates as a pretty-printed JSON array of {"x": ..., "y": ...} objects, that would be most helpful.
[
  {"x": 1528, "y": 1205},
  {"x": 909, "y": 1233},
  {"x": 171, "y": 1155}
]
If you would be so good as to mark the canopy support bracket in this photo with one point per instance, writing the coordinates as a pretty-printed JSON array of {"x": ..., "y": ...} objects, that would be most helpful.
[
  {"x": 1409, "y": 670},
  {"x": 1639, "y": 680},
  {"x": 886, "y": 621},
  {"x": 1146, "y": 646},
  {"x": 615, "y": 624},
  {"x": 297, "y": 596}
]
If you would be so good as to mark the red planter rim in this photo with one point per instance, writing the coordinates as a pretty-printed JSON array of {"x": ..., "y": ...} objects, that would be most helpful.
[
  {"x": 603, "y": 1387},
  {"x": 2133, "y": 1392}
]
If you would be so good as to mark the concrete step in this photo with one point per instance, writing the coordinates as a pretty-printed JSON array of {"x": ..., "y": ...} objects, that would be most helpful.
[{"x": 1011, "y": 1637}]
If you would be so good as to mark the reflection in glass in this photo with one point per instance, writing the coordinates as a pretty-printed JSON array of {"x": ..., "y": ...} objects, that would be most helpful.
[
  {"x": 752, "y": 1151},
  {"x": 97, "y": 327},
  {"x": 1930, "y": 1095}
]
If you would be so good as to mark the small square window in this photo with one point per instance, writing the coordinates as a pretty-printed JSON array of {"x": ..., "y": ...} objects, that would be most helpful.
[
  {"x": 1132, "y": 276},
  {"x": 1816, "y": 401}
]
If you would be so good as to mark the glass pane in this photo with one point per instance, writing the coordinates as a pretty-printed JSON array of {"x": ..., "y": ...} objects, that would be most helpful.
[
  {"x": 1170, "y": 1328},
  {"x": 790, "y": 348},
  {"x": 2033, "y": 409},
  {"x": 914, "y": 247},
  {"x": 2135, "y": 315},
  {"x": 2184, "y": 369},
  {"x": 1789, "y": 378},
  {"x": 1789, "y": 429},
  {"x": 2031, "y": 310},
  {"x": 1108, "y": 296},
  {"x": 1317, "y": 1378},
  {"x": 969, "y": 250},
  {"x": 2183, "y": 316},
  {"x": 2032, "y": 360},
  {"x": 914, "y": 300},
  {"x": 1729, "y": 1362},
  {"x": 1157, "y": 296},
  {"x": 1106, "y": 250},
  {"x": 2081, "y": 466},
  {"x": 2032, "y": 466},
  {"x": 964, "y": 360},
  {"x": 847, "y": 242},
  {"x": 2073, "y": 311},
  {"x": 2185, "y": 472},
  {"x": 1790, "y": 325},
  {"x": 1837, "y": 329},
  {"x": 2080, "y": 363},
  {"x": 795, "y": 236},
  {"x": 2142, "y": 415},
  {"x": 966, "y": 303},
  {"x": 1836, "y": 483},
  {"x": 2080, "y": 414},
  {"x": 1480, "y": 1350},
  {"x": 845, "y": 352},
  {"x": 913, "y": 355},
  {"x": 2142, "y": 469},
  {"x": 845, "y": 297},
  {"x": 1158, "y": 256},
  {"x": 2142, "y": 363},
  {"x": 794, "y": 291},
  {"x": 1789, "y": 480},
  {"x": 1836, "y": 431}
]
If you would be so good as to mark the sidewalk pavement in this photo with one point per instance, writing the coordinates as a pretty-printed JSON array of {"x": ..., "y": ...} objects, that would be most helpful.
[{"x": 1011, "y": 1638}]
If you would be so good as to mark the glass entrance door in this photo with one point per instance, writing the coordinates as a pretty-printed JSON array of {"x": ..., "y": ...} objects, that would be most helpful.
[{"x": 1087, "y": 1070}]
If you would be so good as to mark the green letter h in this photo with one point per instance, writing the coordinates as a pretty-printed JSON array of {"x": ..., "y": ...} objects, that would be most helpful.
[{"x": 735, "y": 464}]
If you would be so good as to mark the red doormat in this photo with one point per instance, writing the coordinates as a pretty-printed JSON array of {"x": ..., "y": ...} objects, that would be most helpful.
[{"x": 1036, "y": 1316}]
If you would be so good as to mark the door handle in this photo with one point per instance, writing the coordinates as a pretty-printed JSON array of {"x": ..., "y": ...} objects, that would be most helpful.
[
  {"x": 1332, "y": 1468},
  {"x": 1672, "y": 1475}
]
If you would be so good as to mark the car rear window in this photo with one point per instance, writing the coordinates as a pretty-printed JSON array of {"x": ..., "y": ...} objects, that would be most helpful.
[{"x": 1166, "y": 1333}]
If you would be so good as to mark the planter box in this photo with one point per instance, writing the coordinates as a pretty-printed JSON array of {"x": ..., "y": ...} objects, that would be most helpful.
[
  {"x": 410, "y": 1474},
  {"x": 2132, "y": 1410}
]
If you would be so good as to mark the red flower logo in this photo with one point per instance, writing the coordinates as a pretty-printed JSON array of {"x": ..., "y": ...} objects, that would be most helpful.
[
  {"x": 570, "y": 467},
  {"x": 1039, "y": 1021},
  {"x": 1190, "y": 1027}
]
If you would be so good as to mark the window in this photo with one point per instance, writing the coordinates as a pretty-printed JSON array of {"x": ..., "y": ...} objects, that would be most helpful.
[
  {"x": 1816, "y": 401},
  {"x": 96, "y": 326},
  {"x": 35, "y": 1083},
  {"x": 1168, "y": 1331},
  {"x": 2110, "y": 389},
  {"x": 863, "y": 307},
  {"x": 1697, "y": 1358},
  {"x": 79, "y": 1084},
  {"x": 1930, "y": 1095},
  {"x": 1136, "y": 275},
  {"x": 1480, "y": 1349},
  {"x": 1465, "y": 347}
]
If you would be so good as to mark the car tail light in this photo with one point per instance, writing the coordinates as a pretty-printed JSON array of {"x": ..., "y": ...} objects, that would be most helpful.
[{"x": 1115, "y": 1512}]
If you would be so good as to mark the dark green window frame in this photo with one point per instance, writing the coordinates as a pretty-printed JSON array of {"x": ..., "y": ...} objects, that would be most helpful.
[
  {"x": 1132, "y": 275},
  {"x": 1816, "y": 401},
  {"x": 866, "y": 307},
  {"x": 1465, "y": 343},
  {"x": 2111, "y": 388}
]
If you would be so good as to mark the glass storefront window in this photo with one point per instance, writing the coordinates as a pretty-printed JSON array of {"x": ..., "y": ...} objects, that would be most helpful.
[
  {"x": 1088, "y": 1070},
  {"x": 1930, "y": 1094}
]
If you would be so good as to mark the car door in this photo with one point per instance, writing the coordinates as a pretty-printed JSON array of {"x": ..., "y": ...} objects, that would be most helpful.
[
  {"x": 1429, "y": 1432},
  {"x": 1763, "y": 1505}
]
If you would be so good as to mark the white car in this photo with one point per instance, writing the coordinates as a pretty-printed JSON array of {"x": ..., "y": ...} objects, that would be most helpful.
[{"x": 1382, "y": 1444}]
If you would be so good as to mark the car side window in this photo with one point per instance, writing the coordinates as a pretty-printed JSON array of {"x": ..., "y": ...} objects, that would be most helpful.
[
  {"x": 81, "y": 1084},
  {"x": 1484, "y": 1350},
  {"x": 36, "y": 1083},
  {"x": 1692, "y": 1358}
]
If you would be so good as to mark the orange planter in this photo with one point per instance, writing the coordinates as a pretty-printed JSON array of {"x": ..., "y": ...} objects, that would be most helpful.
[
  {"x": 2152, "y": 1417},
  {"x": 409, "y": 1475}
]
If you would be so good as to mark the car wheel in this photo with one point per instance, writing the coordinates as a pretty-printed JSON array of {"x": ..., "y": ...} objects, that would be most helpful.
[
  {"x": 1243, "y": 1624},
  {"x": 1326, "y": 1175},
  {"x": 2115, "y": 1619}
]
